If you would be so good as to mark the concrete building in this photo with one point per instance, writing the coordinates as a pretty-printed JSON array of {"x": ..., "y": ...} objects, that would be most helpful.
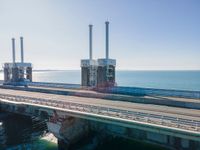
[
  {"x": 17, "y": 72},
  {"x": 100, "y": 73},
  {"x": 106, "y": 66},
  {"x": 89, "y": 66},
  {"x": 106, "y": 72}
]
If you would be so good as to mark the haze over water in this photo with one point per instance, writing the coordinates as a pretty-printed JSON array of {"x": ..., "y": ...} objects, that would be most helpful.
[{"x": 181, "y": 80}]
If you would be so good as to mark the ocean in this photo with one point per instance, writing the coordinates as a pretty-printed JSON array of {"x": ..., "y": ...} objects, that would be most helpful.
[
  {"x": 181, "y": 80},
  {"x": 17, "y": 132}
]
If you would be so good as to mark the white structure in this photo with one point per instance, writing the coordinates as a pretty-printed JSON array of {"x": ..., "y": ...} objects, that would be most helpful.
[
  {"x": 17, "y": 72},
  {"x": 106, "y": 66},
  {"x": 100, "y": 73},
  {"x": 89, "y": 66},
  {"x": 22, "y": 49}
]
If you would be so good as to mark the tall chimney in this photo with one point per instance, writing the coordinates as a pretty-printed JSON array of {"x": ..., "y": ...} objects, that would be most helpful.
[
  {"x": 107, "y": 40},
  {"x": 13, "y": 49},
  {"x": 22, "y": 49},
  {"x": 90, "y": 40}
]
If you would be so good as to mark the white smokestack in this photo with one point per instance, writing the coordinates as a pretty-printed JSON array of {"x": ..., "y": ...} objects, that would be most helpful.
[
  {"x": 22, "y": 49},
  {"x": 90, "y": 40},
  {"x": 13, "y": 49},
  {"x": 107, "y": 39}
]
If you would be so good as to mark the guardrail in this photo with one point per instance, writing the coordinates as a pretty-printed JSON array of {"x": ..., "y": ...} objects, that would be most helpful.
[
  {"x": 55, "y": 85},
  {"x": 127, "y": 90},
  {"x": 152, "y": 92},
  {"x": 120, "y": 89},
  {"x": 44, "y": 84},
  {"x": 168, "y": 121}
]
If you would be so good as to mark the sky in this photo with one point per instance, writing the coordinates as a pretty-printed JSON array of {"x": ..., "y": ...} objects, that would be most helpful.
[{"x": 144, "y": 34}]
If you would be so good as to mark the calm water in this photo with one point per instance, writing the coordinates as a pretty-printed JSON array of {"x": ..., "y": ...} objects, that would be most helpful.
[
  {"x": 24, "y": 133},
  {"x": 185, "y": 80}
]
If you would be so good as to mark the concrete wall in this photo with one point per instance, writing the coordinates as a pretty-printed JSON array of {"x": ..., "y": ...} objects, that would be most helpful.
[
  {"x": 85, "y": 76},
  {"x": 29, "y": 73},
  {"x": 6, "y": 75},
  {"x": 104, "y": 78},
  {"x": 15, "y": 74},
  {"x": 167, "y": 141}
]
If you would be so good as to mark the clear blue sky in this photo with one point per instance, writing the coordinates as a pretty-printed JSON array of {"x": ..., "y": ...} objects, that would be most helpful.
[{"x": 144, "y": 34}]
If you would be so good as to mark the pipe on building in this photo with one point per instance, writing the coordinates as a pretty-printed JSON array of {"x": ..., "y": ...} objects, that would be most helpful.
[
  {"x": 22, "y": 49},
  {"x": 90, "y": 41},
  {"x": 13, "y": 49},
  {"x": 107, "y": 39}
]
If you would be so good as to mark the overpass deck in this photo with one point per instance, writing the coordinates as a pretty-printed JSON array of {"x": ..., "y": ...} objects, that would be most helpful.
[
  {"x": 182, "y": 120},
  {"x": 192, "y": 103},
  {"x": 192, "y": 114},
  {"x": 80, "y": 91}
]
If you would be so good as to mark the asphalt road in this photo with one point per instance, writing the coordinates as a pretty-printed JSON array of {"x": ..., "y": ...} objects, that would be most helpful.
[{"x": 192, "y": 114}]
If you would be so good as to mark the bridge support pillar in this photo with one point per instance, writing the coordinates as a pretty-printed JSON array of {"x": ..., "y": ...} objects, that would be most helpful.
[
  {"x": 68, "y": 131},
  {"x": 62, "y": 145}
]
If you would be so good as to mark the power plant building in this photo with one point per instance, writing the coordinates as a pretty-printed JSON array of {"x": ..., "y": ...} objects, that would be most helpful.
[
  {"x": 101, "y": 72},
  {"x": 106, "y": 66},
  {"x": 17, "y": 72}
]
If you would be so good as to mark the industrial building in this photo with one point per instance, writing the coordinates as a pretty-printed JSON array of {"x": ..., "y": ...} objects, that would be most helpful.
[
  {"x": 17, "y": 73},
  {"x": 94, "y": 73},
  {"x": 106, "y": 66},
  {"x": 101, "y": 72}
]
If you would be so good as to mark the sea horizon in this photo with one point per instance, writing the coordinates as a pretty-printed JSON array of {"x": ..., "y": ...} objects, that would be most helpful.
[{"x": 160, "y": 79}]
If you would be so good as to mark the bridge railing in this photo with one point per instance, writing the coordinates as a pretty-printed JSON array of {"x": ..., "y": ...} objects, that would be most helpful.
[
  {"x": 158, "y": 119},
  {"x": 123, "y": 90},
  {"x": 153, "y": 92},
  {"x": 54, "y": 85}
]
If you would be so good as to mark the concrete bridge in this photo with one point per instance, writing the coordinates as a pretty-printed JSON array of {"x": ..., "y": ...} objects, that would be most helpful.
[
  {"x": 169, "y": 118},
  {"x": 164, "y": 117}
]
